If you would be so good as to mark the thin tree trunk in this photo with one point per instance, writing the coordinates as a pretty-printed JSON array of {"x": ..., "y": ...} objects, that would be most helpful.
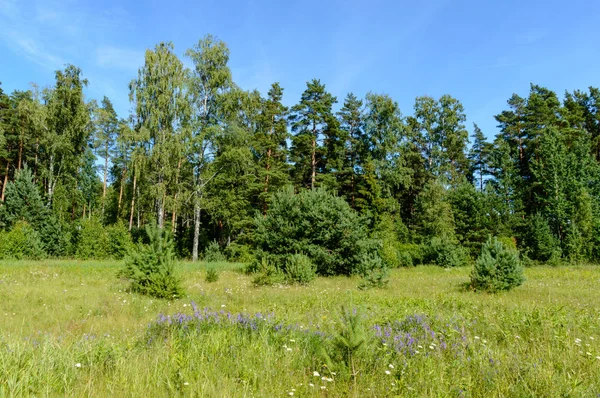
[
  {"x": 20, "y": 153},
  {"x": 268, "y": 167},
  {"x": 132, "y": 201},
  {"x": 313, "y": 163},
  {"x": 174, "y": 216},
  {"x": 121, "y": 191},
  {"x": 196, "y": 232},
  {"x": 35, "y": 164},
  {"x": 5, "y": 180},
  {"x": 83, "y": 214}
]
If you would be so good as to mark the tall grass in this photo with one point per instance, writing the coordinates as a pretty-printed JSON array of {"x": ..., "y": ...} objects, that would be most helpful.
[{"x": 70, "y": 328}]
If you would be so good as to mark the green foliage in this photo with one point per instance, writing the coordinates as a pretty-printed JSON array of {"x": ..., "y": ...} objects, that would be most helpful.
[
  {"x": 497, "y": 268},
  {"x": 299, "y": 269},
  {"x": 318, "y": 224},
  {"x": 21, "y": 242},
  {"x": 374, "y": 272},
  {"x": 92, "y": 240},
  {"x": 410, "y": 254},
  {"x": 212, "y": 253},
  {"x": 239, "y": 253},
  {"x": 267, "y": 272},
  {"x": 348, "y": 345},
  {"x": 445, "y": 253},
  {"x": 151, "y": 268},
  {"x": 541, "y": 244},
  {"x": 119, "y": 240},
  {"x": 212, "y": 275}
]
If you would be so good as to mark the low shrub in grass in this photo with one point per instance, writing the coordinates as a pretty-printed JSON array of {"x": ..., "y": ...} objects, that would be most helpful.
[
  {"x": 444, "y": 252},
  {"x": 21, "y": 242},
  {"x": 410, "y": 254},
  {"x": 267, "y": 271},
  {"x": 299, "y": 269},
  {"x": 497, "y": 268},
  {"x": 151, "y": 268},
  {"x": 212, "y": 275},
  {"x": 239, "y": 253},
  {"x": 374, "y": 272},
  {"x": 212, "y": 253}
]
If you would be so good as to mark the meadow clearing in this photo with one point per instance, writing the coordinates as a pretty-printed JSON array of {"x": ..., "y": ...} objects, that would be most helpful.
[{"x": 69, "y": 328}]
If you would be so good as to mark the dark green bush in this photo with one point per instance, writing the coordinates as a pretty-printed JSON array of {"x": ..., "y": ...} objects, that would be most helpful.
[
  {"x": 299, "y": 269},
  {"x": 497, "y": 268},
  {"x": 212, "y": 253},
  {"x": 445, "y": 253},
  {"x": 21, "y": 242},
  {"x": 542, "y": 244},
  {"x": 151, "y": 268},
  {"x": 317, "y": 224}
]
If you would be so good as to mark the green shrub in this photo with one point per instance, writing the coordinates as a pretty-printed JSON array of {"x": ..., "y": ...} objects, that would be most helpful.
[
  {"x": 267, "y": 272},
  {"x": 212, "y": 275},
  {"x": 92, "y": 240},
  {"x": 348, "y": 346},
  {"x": 151, "y": 268},
  {"x": 239, "y": 253},
  {"x": 212, "y": 253},
  {"x": 374, "y": 272},
  {"x": 320, "y": 225},
  {"x": 445, "y": 253},
  {"x": 299, "y": 269},
  {"x": 509, "y": 243},
  {"x": 21, "y": 242},
  {"x": 497, "y": 268},
  {"x": 410, "y": 254},
  {"x": 541, "y": 243},
  {"x": 119, "y": 240}
]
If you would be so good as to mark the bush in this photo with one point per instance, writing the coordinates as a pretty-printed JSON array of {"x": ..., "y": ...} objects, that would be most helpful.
[
  {"x": 22, "y": 242},
  {"x": 239, "y": 253},
  {"x": 410, "y": 254},
  {"x": 119, "y": 240},
  {"x": 299, "y": 268},
  {"x": 445, "y": 253},
  {"x": 212, "y": 275},
  {"x": 212, "y": 253},
  {"x": 318, "y": 224},
  {"x": 374, "y": 272},
  {"x": 92, "y": 240},
  {"x": 497, "y": 268},
  {"x": 151, "y": 268},
  {"x": 541, "y": 243},
  {"x": 267, "y": 272}
]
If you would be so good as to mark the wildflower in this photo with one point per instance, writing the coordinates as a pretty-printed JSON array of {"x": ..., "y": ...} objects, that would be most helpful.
[
  {"x": 420, "y": 346},
  {"x": 387, "y": 372},
  {"x": 311, "y": 384},
  {"x": 77, "y": 365},
  {"x": 416, "y": 352},
  {"x": 588, "y": 354},
  {"x": 517, "y": 337},
  {"x": 292, "y": 340},
  {"x": 431, "y": 347},
  {"x": 323, "y": 387},
  {"x": 288, "y": 349},
  {"x": 324, "y": 378},
  {"x": 391, "y": 366},
  {"x": 186, "y": 384},
  {"x": 329, "y": 379},
  {"x": 577, "y": 341},
  {"x": 291, "y": 393},
  {"x": 591, "y": 338},
  {"x": 597, "y": 357},
  {"x": 222, "y": 305},
  {"x": 476, "y": 337},
  {"x": 333, "y": 373},
  {"x": 316, "y": 374}
]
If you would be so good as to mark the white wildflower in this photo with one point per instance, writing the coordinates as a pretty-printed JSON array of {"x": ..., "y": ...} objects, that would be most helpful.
[
  {"x": 77, "y": 365},
  {"x": 387, "y": 372},
  {"x": 186, "y": 384},
  {"x": 323, "y": 387},
  {"x": 391, "y": 366},
  {"x": 476, "y": 337},
  {"x": 316, "y": 374},
  {"x": 311, "y": 384}
]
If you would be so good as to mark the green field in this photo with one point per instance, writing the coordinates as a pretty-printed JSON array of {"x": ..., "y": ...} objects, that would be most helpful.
[{"x": 69, "y": 328}]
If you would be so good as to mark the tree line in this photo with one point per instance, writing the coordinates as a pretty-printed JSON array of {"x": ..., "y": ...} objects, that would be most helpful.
[{"x": 202, "y": 157}]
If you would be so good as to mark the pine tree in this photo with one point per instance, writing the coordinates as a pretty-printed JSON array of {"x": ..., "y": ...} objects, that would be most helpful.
[
  {"x": 479, "y": 154},
  {"x": 311, "y": 119}
]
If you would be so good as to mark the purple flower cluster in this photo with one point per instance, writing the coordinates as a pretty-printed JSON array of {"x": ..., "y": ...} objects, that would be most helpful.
[{"x": 415, "y": 335}]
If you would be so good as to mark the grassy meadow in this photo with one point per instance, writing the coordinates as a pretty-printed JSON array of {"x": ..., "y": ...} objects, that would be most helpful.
[{"x": 70, "y": 328}]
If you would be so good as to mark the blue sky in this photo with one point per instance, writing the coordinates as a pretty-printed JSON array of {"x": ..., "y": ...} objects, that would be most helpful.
[{"x": 477, "y": 51}]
